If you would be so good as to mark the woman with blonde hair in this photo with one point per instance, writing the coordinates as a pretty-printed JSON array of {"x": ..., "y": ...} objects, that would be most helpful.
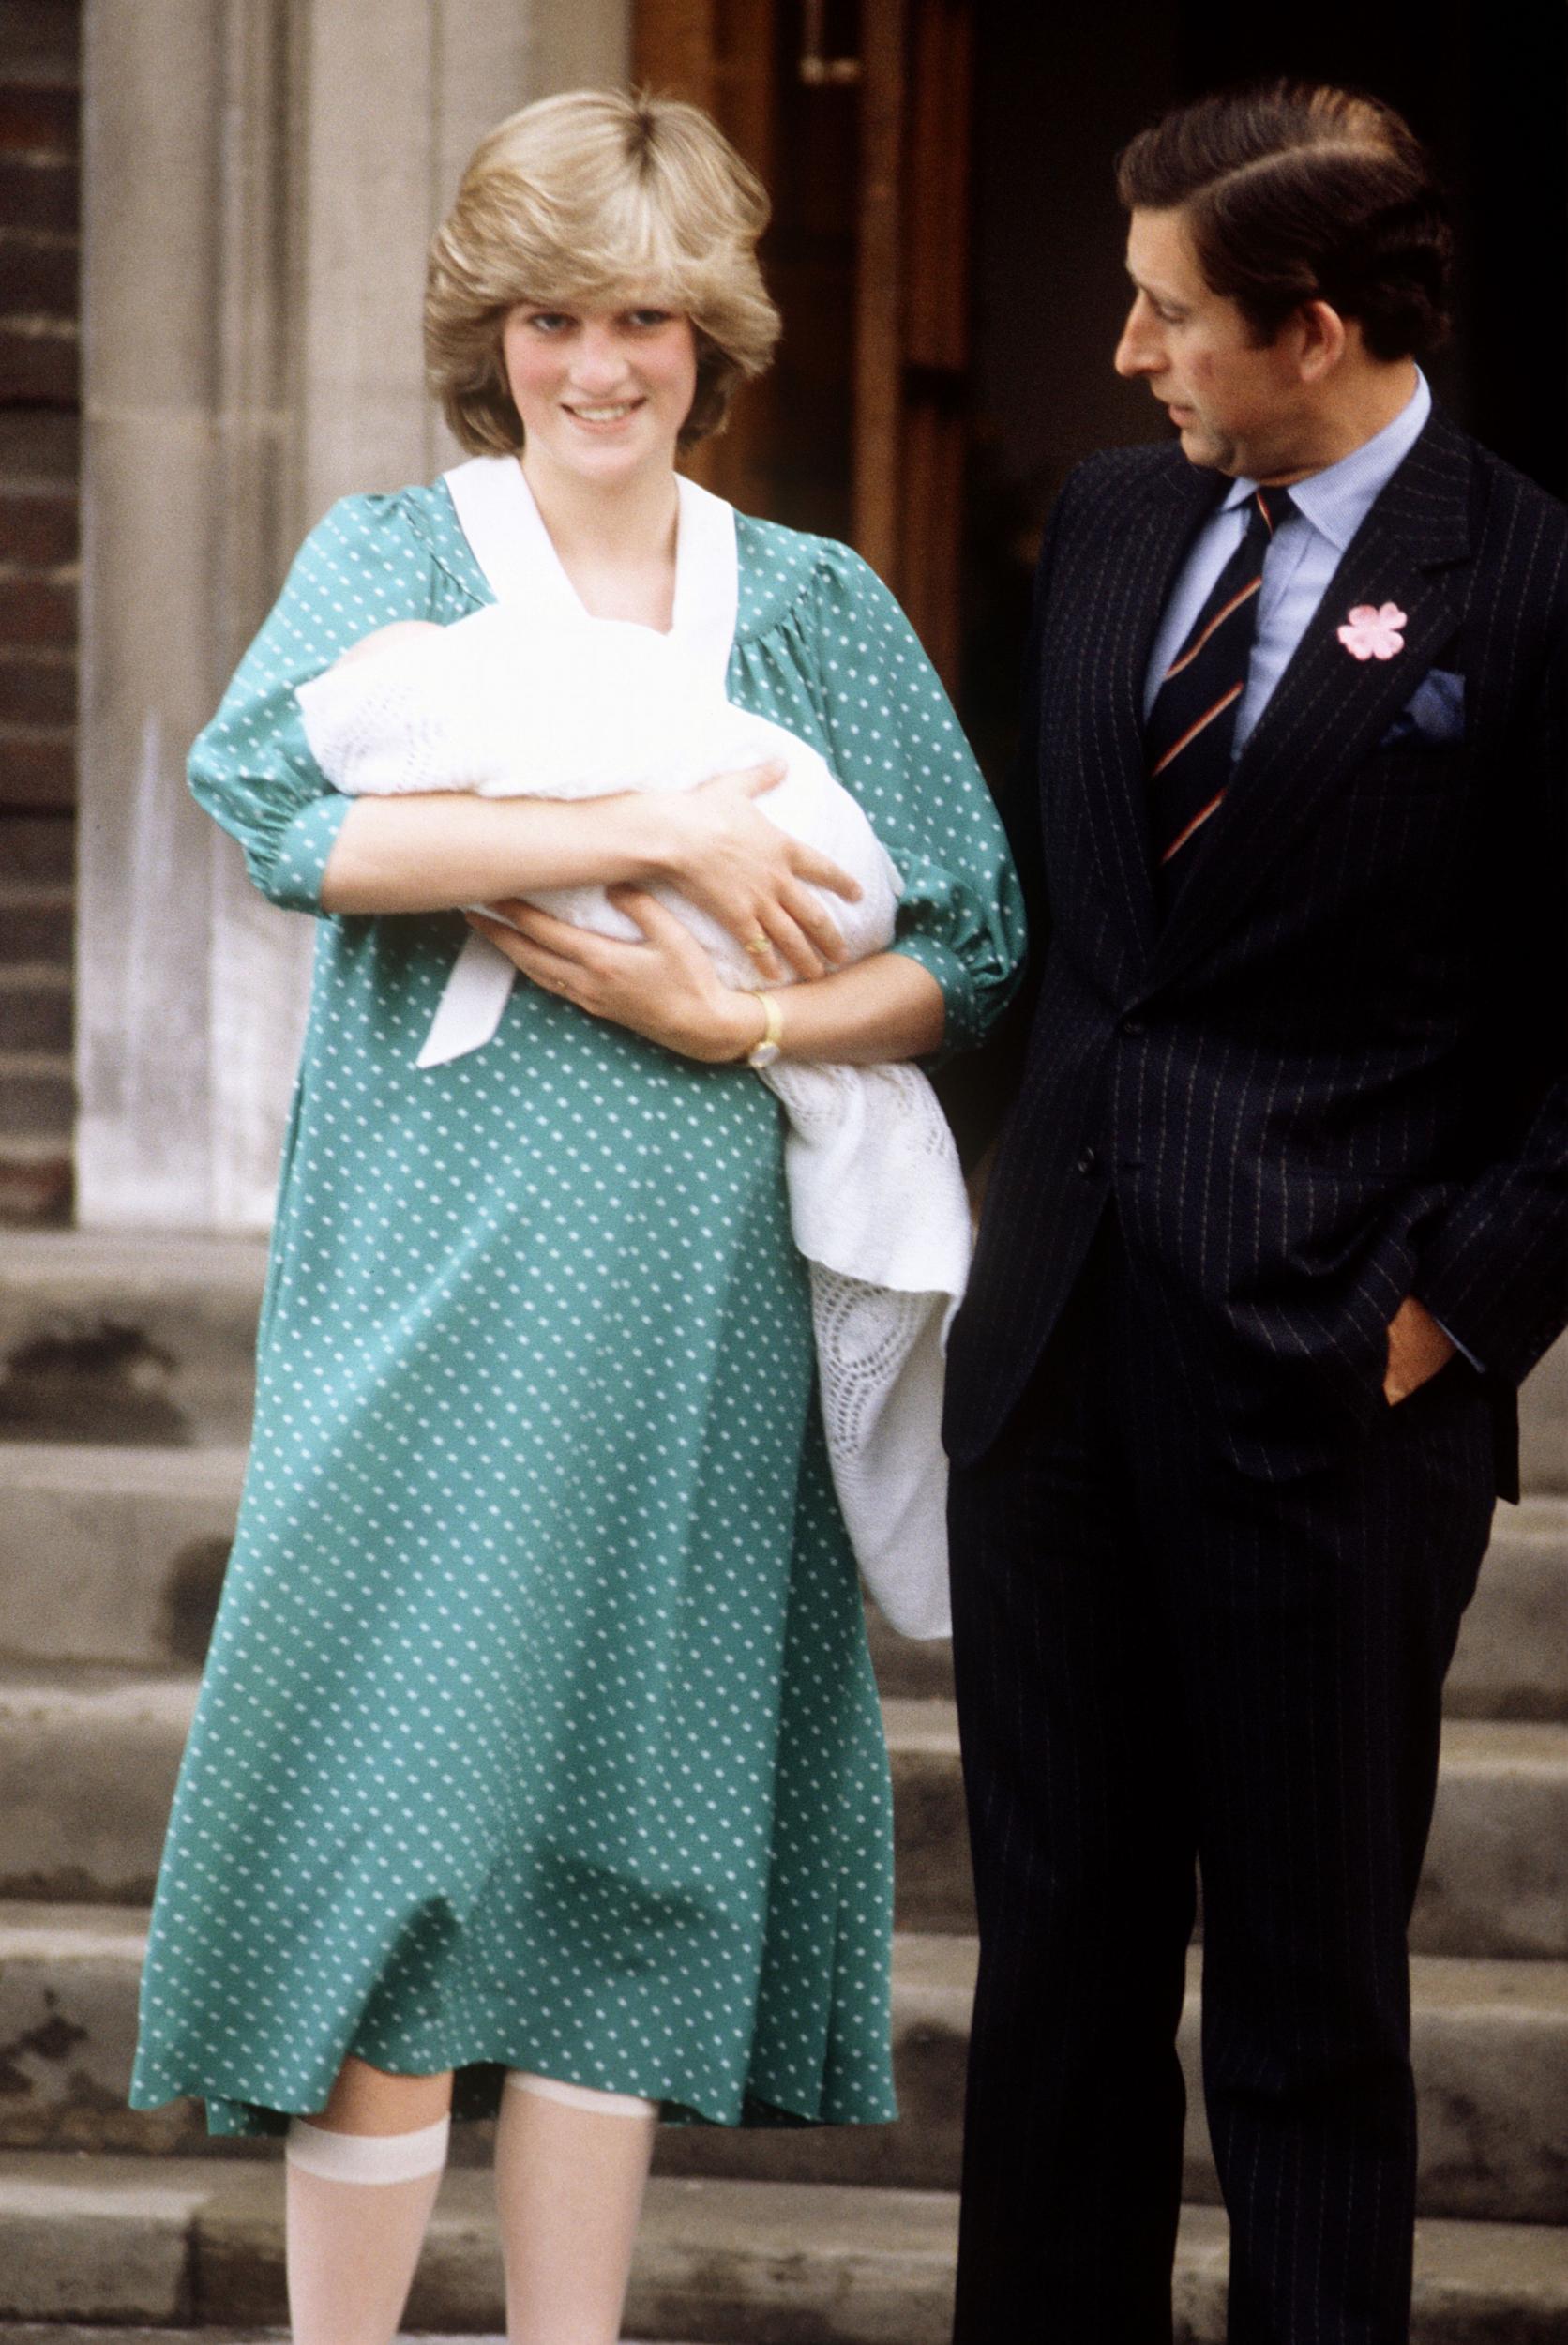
[{"x": 538, "y": 1768}]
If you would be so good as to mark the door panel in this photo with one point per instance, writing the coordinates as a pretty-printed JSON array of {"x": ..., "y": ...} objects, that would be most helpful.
[
  {"x": 936, "y": 331},
  {"x": 858, "y": 120}
]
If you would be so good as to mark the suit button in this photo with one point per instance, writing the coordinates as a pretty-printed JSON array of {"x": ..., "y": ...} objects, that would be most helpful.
[
  {"x": 1133, "y": 1025},
  {"x": 1088, "y": 1162}
]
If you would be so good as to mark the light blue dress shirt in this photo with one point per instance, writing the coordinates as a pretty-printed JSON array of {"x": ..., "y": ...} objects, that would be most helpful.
[
  {"x": 1300, "y": 562},
  {"x": 1298, "y": 568}
]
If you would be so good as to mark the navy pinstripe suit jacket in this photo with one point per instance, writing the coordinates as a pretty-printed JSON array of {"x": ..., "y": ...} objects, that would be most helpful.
[{"x": 1335, "y": 1074}]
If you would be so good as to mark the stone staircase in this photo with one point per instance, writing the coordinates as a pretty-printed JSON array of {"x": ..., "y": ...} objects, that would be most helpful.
[{"x": 124, "y": 1391}]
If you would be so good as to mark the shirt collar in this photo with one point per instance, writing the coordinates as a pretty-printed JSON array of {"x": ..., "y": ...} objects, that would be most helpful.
[{"x": 1338, "y": 500}]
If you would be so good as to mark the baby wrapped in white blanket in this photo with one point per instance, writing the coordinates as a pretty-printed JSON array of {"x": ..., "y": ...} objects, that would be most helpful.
[{"x": 505, "y": 706}]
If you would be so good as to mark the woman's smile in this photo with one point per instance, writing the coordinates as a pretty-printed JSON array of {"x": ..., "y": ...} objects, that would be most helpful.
[{"x": 602, "y": 414}]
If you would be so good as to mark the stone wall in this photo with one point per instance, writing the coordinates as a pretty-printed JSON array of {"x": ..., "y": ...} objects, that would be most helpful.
[{"x": 40, "y": 104}]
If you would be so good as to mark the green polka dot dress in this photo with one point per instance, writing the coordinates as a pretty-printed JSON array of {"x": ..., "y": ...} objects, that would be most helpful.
[{"x": 539, "y": 1729}]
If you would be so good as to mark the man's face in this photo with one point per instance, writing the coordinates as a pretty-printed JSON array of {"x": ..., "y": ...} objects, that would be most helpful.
[{"x": 1240, "y": 408}]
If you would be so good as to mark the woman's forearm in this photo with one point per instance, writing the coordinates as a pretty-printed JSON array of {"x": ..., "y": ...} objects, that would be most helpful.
[
  {"x": 432, "y": 854},
  {"x": 887, "y": 1008}
]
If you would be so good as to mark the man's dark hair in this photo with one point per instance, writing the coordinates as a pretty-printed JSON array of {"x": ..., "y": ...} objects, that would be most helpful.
[{"x": 1297, "y": 192}]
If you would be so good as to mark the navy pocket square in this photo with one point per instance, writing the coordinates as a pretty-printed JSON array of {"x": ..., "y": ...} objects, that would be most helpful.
[{"x": 1433, "y": 714}]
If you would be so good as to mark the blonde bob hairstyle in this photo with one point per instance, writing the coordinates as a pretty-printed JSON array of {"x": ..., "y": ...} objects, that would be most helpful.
[{"x": 579, "y": 200}]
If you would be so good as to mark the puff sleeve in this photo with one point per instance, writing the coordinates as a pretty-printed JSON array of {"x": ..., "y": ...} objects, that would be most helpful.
[
  {"x": 895, "y": 743},
  {"x": 252, "y": 769}
]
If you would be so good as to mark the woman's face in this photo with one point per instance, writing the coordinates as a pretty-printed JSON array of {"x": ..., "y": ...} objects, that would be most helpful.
[{"x": 601, "y": 391}]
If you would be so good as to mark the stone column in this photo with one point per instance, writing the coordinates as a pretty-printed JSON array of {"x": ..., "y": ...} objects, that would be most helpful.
[
  {"x": 261, "y": 180},
  {"x": 150, "y": 498}
]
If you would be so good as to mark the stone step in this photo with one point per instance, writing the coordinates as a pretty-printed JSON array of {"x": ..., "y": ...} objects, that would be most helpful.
[
  {"x": 1543, "y": 1423},
  {"x": 115, "y": 1553},
  {"x": 194, "y": 2241},
  {"x": 139, "y": 1338},
  {"x": 72, "y": 2332},
  {"x": 88, "y": 1757},
  {"x": 193, "y": 1304},
  {"x": 88, "y": 1764},
  {"x": 1491, "y": 2058},
  {"x": 1512, "y": 1655}
]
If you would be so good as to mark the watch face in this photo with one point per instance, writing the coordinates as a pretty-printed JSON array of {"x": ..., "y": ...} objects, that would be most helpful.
[{"x": 763, "y": 1055}]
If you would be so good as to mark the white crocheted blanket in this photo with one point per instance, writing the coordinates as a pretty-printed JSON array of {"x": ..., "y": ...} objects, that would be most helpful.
[{"x": 580, "y": 708}]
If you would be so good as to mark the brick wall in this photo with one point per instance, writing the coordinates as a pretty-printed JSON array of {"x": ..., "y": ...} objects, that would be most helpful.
[{"x": 39, "y": 173}]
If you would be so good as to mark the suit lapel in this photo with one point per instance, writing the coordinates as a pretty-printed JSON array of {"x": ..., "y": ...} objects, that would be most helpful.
[
  {"x": 1329, "y": 709},
  {"x": 1140, "y": 565}
]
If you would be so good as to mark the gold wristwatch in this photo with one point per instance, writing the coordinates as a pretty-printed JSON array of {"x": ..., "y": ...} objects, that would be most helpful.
[{"x": 773, "y": 1034}]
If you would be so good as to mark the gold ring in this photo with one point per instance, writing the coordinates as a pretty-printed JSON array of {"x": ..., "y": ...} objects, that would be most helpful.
[{"x": 758, "y": 944}]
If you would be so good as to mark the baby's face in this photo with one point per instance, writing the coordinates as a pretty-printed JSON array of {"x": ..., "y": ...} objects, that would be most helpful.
[{"x": 385, "y": 638}]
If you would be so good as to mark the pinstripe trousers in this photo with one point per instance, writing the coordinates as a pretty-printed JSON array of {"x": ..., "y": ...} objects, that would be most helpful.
[{"x": 1165, "y": 1667}]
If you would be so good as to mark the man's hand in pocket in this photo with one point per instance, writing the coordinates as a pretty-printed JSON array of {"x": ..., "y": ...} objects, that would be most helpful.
[{"x": 1417, "y": 1348}]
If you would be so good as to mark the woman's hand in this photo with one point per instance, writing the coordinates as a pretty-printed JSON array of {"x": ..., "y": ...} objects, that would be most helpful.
[
  {"x": 665, "y": 987},
  {"x": 435, "y": 851},
  {"x": 750, "y": 876}
]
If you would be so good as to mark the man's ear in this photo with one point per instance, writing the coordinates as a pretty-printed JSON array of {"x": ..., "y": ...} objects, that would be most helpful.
[{"x": 1323, "y": 337}]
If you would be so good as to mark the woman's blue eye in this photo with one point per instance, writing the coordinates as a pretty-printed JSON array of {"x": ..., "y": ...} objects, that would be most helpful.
[
  {"x": 546, "y": 321},
  {"x": 650, "y": 317}
]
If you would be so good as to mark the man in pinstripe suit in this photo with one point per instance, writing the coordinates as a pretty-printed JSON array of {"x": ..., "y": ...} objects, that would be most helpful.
[{"x": 1277, "y": 1222}]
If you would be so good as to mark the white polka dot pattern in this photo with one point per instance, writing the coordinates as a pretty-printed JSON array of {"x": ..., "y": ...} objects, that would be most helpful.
[{"x": 539, "y": 1729}]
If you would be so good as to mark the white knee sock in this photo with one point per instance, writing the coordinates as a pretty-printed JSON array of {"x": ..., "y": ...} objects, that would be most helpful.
[
  {"x": 359, "y": 2204},
  {"x": 570, "y": 2166}
]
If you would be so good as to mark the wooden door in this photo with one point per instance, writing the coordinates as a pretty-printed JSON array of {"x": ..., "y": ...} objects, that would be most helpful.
[{"x": 858, "y": 119}]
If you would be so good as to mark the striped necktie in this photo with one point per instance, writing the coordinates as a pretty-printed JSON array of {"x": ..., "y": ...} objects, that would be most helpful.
[{"x": 1192, "y": 724}]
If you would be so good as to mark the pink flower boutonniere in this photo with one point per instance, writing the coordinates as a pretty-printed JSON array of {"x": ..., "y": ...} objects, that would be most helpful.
[{"x": 1373, "y": 632}]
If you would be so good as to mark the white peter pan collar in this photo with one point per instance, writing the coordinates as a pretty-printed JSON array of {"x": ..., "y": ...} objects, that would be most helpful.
[{"x": 508, "y": 537}]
